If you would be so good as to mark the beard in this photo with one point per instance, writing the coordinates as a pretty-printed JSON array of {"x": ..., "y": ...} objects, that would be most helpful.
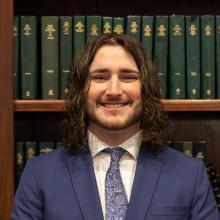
[{"x": 114, "y": 122}]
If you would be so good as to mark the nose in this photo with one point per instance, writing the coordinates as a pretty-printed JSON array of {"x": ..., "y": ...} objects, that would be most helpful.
[{"x": 114, "y": 87}]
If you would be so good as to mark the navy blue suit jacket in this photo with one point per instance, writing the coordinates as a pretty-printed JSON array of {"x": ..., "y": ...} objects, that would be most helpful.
[{"x": 167, "y": 186}]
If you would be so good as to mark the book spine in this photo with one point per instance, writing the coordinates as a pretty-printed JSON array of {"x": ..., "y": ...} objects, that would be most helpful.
[
  {"x": 161, "y": 51},
  {"x": 188, "y": 148},
  {"x": 50, "y": 56},
  {"x": 66, "y": 51},
  {"x": 30, "y": 149},
  {"x": 79, "y": 35},
  {"x": 16, "y": 74},
  {"x": 177, "y": 57},
  {"x": 193, "y": 57},
  {"x": 133, "y": 27},
  {"x": 93, "y": 27},
  {"x": 177, "y": 145},
  {"x": 147, "y": 34},
  {"x": 28, "y": 57},
  {"x": 207, "y": 57},
  {"x": 19, "y": 161},
  {"x": 119, "y": 25},
  {"x": 199, "y": 150},
  {"x": 107, "y": 24},
  {"x": 45, "y": 147},
  {"x": 217, "y": 35}
]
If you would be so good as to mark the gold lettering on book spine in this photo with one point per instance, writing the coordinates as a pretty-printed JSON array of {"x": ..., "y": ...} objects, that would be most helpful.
[
  {"x": 46, "y": 150},
  {"x": 134, "y": 27},
  {"x": 178, "y": 91},
  {"x": 79, "y": 27},
  {"x": 207, "y": 31},
  {"x": 28, "y": 93},
  {"x": 194, "y": 92},
  {"x": 50, "y": 31},
  {"x": 192, "y": 30},
  {"x": 51, "y": 92},
  {"x": 147, "y": 31},
  {"x": 15, "y": 30},
  {"x": 30, "y": 153},
  {"x": 27, "y": 30},
  {"x": 177, "y": 30},
  {"x": 66, "y": 28},
  {"x": 107, "y": 28},
  {"x": 161, "y": 31},
  {"x": 118, "y": 29},
  {"x": 208, "y": 92},
  {"x": 19, "y": 159},
  {"x": 94, "y": 30}
]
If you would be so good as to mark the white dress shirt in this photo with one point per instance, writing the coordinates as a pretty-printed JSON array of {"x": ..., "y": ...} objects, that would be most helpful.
[{"x": 101, "y": 163}]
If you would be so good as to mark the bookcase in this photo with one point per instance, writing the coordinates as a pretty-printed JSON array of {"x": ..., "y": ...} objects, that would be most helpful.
[{"x": 40, "y": 119}]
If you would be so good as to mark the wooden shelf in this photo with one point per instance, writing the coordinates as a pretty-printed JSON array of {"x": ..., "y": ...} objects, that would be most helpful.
[
  {"x": 169, "y": 105},
  {"x": 39, "y": 105}
]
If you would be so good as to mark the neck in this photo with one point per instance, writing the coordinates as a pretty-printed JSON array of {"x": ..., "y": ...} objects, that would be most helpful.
[{"x": 114, "y": 137}]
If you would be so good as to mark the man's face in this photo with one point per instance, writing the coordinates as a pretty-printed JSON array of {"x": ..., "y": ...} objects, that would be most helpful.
[{"x": 114, "y": 93}]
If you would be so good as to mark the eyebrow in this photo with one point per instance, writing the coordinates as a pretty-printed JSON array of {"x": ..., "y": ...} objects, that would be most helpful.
[{"x": 104, "y": 70}]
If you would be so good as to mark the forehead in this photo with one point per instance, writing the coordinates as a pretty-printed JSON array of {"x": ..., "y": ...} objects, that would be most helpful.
[{"x": 113, "y": 54}]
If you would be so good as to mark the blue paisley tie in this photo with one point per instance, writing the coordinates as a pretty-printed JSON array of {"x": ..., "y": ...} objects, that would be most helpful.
[{"x": 116, "y": 203}]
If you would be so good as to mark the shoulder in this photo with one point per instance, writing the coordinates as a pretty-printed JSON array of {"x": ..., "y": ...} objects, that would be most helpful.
[
  {"x": 181, "y": 163},
  {"x": 48, "y": 163}
]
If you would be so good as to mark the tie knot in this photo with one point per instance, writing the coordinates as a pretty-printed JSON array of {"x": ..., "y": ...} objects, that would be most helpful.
[{"x": 116, "y": 153}]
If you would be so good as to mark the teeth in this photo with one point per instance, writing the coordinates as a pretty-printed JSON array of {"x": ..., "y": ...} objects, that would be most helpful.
[{"x": 113, "y": 105}]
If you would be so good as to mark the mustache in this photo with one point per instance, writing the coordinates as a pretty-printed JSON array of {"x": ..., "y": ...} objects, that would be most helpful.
[{"x": 114, "y": 99}]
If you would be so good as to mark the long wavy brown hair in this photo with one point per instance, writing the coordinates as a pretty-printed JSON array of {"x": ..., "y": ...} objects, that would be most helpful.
[{"x": 154, "y": 120}]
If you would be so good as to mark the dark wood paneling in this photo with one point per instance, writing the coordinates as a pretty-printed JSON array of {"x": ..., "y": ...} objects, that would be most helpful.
[
  {"x": 115, "y": 7},
  {"x": 6, "y": 110},
  {"x": 38, "y": 126},
  {"x": 198, "y": 126}
]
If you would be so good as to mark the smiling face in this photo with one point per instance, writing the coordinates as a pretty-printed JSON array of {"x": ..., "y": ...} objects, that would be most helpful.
[{"x": 114, "y": 91}]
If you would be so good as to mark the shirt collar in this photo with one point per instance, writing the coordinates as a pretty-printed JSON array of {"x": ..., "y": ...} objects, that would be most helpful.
[{"x": 132, "y": 145}]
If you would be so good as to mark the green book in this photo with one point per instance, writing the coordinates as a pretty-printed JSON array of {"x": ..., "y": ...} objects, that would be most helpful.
[
  {"x": 107, "y": 24},
  {"x": 58, "y": 145},
  {"x": 16, "y": 73},
  {"x": 119, "y": 25},
  {"x": 133, "y": 27},
  {"x": 19, "y": 161},
  {"x": 192, "y": 57},
  {"x": 217, "y": 37},
  {"x": 50, "y": 56},
  {"x": 161, "y": 51},
  {"x": 199, "y": 150},
  {"x": 28, "y": 57},
  {"x": 79, "y": 35},
  {"x": 30, "y": 149},
  {"x": 177, "y": 145},
  {"x": 207, "y": 56},
  {"x": 66, "y": 53},
  {"x": 147, "y": 34},
  {"x": 46, "y": 146},
  {"x": 188, "y": 148},
  {"x": 93, "y": 27},
  {"x": 177, "y": 88}
]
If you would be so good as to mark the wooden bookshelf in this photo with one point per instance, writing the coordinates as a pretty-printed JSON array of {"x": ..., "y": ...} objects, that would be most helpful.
[{"x": 169, "y": 105}]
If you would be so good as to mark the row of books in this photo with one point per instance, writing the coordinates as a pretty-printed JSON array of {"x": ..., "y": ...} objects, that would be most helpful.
[
  {"x": 185, "y": 50},
  {"x": 25, "y": 150}
]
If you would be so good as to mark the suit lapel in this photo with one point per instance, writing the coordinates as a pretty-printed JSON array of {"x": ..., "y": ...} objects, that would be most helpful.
[
  {"x": 145, "y": 181},
  {"x": 84, "y": 184}
]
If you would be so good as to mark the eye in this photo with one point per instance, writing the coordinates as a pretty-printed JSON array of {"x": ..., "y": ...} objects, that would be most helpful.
[
  {"x": 99, "y": 78},
  {"x": 129, "y": 77}
]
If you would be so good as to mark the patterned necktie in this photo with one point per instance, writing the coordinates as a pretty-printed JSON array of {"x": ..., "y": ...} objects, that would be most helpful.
[{"x": 116, "y": 203}]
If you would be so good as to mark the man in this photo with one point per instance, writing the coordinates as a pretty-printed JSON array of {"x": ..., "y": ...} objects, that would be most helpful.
[{"x": 115, "y": 164}]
